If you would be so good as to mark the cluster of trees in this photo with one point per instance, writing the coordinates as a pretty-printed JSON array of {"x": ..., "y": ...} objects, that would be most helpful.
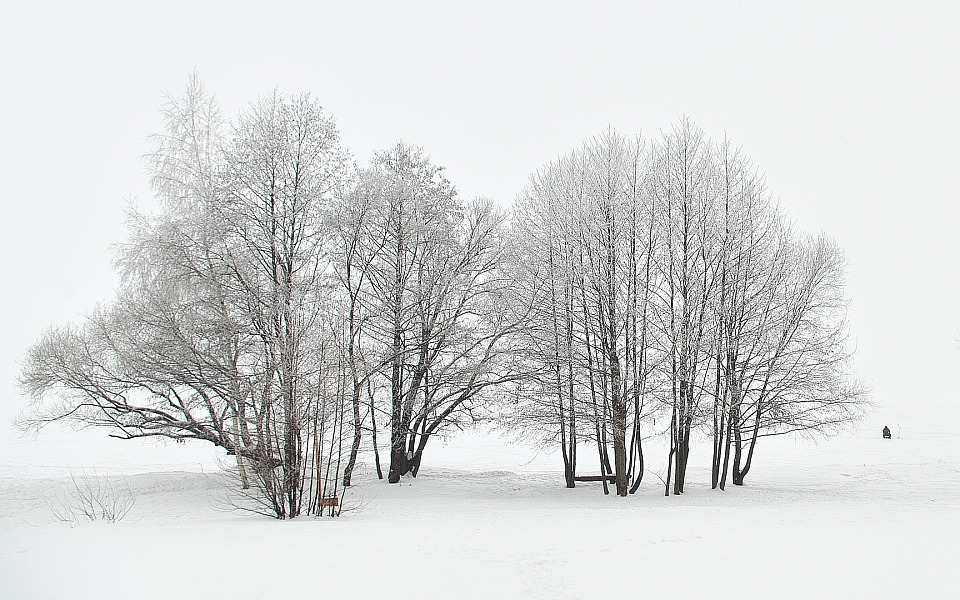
[
  {"x": 284, "y": 304},
  {"x": 666, "y": 282}
]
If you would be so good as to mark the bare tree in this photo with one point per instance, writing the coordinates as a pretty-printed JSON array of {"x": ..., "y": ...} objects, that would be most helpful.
[
  {"x": 684, "y": 186},
  {"x": 218, "y": 331},
  {"x": 353, "y": 255},
  {"x": 781, "y": 360},
  {"x": 434, "y": 301},
  {"x": 163, "y": 359},
  {"x": 614, "y": 254},
  {"x": 799, "y": 377},
  {"x": 586, "y": 226},
  {"x": 665, "y": 271},
  {"x": 279, "y": 299},
  {"x": 542, "y": 234},
  {"x": 752, "y": 265}
]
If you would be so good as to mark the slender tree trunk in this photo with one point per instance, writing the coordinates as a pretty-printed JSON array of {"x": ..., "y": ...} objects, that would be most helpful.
[
  {"x": 619, "y": 419},
  {"x": 718, "y": 411},
  {"x": 639, "y": 477},
  {"x": 733, "y": 425},
  {"x": 569, "y": 470},
  {"x": 357, "y": 428},
  {"x": 373, "y": 435},
  {"x": 682, "y": 442},
  {"x": 673, "y": 450},
  {"x": 753, "y": 444},
  {"x": 398, "y": 429},
  {"x": 398, "y": 447},
  {"x": 571, "y": 408},
  {"x": 737, "y": 453},
  {"x": 357, "y": 383}
]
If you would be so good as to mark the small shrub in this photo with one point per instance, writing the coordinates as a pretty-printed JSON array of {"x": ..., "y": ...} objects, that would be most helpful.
[{"x": 92, "y": 498}]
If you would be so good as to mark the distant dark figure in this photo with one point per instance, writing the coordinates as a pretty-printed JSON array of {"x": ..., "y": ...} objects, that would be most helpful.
[{"x": 886, "y": 432}]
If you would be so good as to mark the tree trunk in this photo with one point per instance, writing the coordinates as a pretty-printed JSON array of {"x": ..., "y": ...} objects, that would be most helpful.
[
  {"x": 718, "y": 413},
  {"x": 673, "y": 450},
  {"x": 355, "y": 447},
  {"x": 737, "y": 453},
  {"x": 399, "y": 465},
  {"x": 753, "y": 444},
  {"x": 639, "y": 476},
  {"x": 733, "y": 421},
  {"x": 620, "y": 462},
  {"x": 682, "y": 441},
  {"x": 373, "y": 434}
]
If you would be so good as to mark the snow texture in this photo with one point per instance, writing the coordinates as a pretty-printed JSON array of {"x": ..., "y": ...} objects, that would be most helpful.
[{"x": 853, "y": 517}]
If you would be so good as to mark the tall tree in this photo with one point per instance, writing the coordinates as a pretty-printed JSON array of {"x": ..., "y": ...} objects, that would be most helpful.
[
  {"x": 435, "y": 301},
  {"x": 799, "y": 376},
  {"x": 353, "y": 255},
  {"x": 218, "y": 332},
  {"x": 586, "y": 227},
  {"x": 683, "y": 185},
  {"x": 543, "y": 234}
]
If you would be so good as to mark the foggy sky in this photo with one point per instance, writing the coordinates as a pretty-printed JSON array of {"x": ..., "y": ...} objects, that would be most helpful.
[{"x": 851, "y": 110}]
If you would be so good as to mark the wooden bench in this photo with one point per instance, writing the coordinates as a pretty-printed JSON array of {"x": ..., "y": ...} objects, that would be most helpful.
[{"x": 609, "y": 478}]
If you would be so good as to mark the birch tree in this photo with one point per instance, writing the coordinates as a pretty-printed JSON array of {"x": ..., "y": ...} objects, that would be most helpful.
[{"x": 218, "y": 332}]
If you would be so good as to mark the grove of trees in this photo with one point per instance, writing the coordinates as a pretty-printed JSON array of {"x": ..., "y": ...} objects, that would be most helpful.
[
  {"x": 668, "y": 283},
  {"x": 294, "y": 309}
]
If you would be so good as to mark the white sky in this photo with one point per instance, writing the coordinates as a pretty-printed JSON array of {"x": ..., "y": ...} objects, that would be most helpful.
[{"x": 850, "y": 109}]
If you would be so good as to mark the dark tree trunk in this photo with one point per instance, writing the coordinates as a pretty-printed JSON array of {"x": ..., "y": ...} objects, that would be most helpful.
[
  {"x": 737, "y": 454},
  {"x": 399, "y": 465},
  {"x": 620, "y": 463},
  {"x": 398, "y": 434},
  {"x": 604, "y": 469},
  {"x": 718, "y": 413},
  {"x": 620, "y": 445},
  {"x": 726, "y": 452},
  {"x": 569, "y": 474},
  {"x": 355, "y": 447},
  {"x": 682, "y": 442},
  {"x": 373, "y": 436},
  {"x": 680, "y": 458},
  {"x": 418, "y": 456},
  {"x": 733, "y": 423},
  {"x": 673, "y": 451},
  {"x": 398, "y": 429},
  {"x": 753, "y": 444},
  {"x": 291, "y": 452},
  {"x": 619, "y": 420},
  {"x": 639, "y": 476}
]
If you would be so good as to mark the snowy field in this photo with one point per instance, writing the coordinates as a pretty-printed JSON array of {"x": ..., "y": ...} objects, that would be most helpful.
[{"x": 853, "y": 517}]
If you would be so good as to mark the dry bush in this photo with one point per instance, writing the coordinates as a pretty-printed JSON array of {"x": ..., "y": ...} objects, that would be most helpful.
[{"x": 92, "y": 498}]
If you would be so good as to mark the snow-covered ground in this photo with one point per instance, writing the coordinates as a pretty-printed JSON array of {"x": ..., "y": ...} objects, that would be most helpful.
[{"x": 853, "y": 517}]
